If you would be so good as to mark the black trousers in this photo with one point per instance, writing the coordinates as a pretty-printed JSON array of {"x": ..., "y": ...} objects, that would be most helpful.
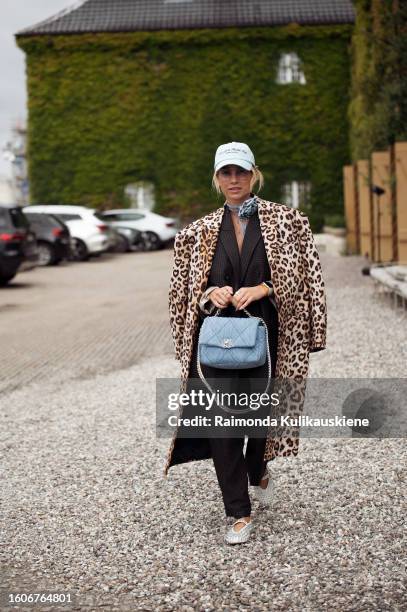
[{"x": 235, "y": 470}]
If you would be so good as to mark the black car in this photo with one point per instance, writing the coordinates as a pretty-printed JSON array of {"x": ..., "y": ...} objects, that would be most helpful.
[
  {"x": 53, "y": 238},
  {"x": 18, "y": 247}
]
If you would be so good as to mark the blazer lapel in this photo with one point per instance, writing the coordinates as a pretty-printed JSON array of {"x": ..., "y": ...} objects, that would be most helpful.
[
  {"x": 251, "y": 238},
  {"x": 229, "y": 242}
]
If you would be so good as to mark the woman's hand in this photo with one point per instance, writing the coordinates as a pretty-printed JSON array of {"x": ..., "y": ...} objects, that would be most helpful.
[
  {"x": 245, "y": 295},
  {"x": 221, "y": 296}
]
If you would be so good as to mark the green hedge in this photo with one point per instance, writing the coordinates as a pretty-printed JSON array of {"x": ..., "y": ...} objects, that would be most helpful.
[
  {"x": 378, "y": 109},
  {"x": 106, "y": 110}
]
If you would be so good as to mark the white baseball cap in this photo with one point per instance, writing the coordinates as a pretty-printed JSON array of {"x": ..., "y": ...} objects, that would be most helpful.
[{"x": 234, "y": 153}]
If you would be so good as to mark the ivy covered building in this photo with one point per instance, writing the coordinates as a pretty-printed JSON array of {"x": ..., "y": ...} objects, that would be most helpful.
[{"x": 141, "y": 92}]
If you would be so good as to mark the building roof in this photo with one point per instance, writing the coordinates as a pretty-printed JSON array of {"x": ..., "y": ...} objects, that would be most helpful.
[{"x": 134, "y": 15}]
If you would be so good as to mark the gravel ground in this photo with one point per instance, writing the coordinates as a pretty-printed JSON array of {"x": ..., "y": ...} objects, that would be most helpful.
[{"x": 86, "y": 509}]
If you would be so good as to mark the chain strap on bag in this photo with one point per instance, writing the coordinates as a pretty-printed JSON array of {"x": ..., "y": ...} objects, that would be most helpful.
[{"x": 233, "y": 342}]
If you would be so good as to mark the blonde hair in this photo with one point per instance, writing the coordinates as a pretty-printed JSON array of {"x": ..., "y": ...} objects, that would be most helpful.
[{"x": 257, "y": 177}]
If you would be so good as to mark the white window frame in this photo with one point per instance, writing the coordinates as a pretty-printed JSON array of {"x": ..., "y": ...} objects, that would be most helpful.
[
  {"x": 141, "y": 195},
  {"x": 289, "y": 69},
  {"x": 296, "y": 193}
]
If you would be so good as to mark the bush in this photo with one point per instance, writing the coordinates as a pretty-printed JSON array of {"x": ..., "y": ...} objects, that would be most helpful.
[{"x": 335, "y": 220}]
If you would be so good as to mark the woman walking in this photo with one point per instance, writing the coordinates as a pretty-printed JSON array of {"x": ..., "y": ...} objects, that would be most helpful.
[{"x": 256, "y": 257}]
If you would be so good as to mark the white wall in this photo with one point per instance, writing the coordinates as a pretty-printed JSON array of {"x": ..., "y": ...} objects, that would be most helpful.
[{"x": 6, "y": 191}]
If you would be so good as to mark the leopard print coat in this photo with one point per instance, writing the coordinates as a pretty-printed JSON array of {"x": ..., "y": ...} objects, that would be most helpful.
[{"x": 299, "y": 293}]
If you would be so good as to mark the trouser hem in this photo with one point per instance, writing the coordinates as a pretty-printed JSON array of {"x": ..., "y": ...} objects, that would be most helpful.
[{"x": 240, "y": 514}]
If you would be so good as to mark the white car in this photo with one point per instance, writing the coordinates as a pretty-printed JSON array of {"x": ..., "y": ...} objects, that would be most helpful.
[
  {"x": 90, "y": 236},
  {"x": 157, "y": 230}
]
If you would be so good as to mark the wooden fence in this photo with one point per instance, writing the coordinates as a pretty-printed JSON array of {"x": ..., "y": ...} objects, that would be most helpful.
[{"x": 375, "y": 192}]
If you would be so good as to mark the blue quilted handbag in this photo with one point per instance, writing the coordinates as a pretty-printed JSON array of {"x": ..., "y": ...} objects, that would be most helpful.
[{"x": 233, "y": 343}]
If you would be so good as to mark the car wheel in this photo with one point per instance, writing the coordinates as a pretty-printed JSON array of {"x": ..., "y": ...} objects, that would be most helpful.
[
  {"x": 122, "y": 245},
  {"x": 138, "y": 245},
  {"x": 79, "y": 250},
  {"x": 46, "y": 254},
  {"x": 5, "y": 279},
  {"x": 152, "y": 242}
]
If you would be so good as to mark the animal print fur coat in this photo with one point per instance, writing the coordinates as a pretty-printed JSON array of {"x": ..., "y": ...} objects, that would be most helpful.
[{"x": 299, "y": 294}]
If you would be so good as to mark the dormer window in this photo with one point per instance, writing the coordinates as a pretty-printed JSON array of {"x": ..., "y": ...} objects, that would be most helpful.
[{"x": 289, "y": 69}]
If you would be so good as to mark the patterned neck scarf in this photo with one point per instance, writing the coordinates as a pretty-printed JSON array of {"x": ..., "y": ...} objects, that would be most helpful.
[{"x": 244, "y": 210}]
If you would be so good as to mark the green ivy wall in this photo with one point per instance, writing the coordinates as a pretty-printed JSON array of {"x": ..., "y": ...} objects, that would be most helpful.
[
  {"x": 106, "y": 110},
  {"x": 378, "y": 108}
]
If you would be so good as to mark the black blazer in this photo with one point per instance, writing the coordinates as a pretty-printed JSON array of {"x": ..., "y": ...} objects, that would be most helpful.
[{"x": 245, "y": 269}]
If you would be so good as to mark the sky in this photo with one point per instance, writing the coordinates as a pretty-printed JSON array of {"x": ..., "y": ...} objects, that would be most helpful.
[{"x": 16, "y": 15}]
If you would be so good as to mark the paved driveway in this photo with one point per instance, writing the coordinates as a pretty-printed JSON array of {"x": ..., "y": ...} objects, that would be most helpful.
[{"x": 81, "y": 319}]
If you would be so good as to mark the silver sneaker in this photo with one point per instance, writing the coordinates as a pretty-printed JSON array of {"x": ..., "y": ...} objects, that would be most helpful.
[
  {"x": 264, "y": 496},
  {"x": 239, "y": 537}
]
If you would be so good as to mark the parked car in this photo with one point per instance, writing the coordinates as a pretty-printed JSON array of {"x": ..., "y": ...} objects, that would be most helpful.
[
  {"x": 18, "y": 246},
  {"x": 157, "y": 230},
  {"x": 129, "y": 240},
  {"x": 90, "y": 235},
  {"x": 53, "y": 237}
]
